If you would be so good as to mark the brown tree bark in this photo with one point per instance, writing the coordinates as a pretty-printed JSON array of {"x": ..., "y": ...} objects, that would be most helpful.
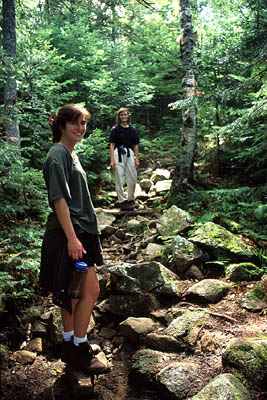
[
  {"x": 184, "y": 168},
  {"x": 10, "y": 92}
]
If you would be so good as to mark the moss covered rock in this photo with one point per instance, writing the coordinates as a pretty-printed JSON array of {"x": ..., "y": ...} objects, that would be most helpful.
[
  {"x": 249, "y": 356},
  {"x": 221, "y": 243}
]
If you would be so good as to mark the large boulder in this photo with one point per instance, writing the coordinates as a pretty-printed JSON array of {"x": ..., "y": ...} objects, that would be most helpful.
[
  {"x": 221, "y": 243},
  {"x": 140, "y": 278}
]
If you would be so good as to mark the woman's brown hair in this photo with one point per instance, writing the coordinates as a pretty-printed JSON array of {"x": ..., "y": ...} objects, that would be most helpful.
[{"x": 67, "y": 113}]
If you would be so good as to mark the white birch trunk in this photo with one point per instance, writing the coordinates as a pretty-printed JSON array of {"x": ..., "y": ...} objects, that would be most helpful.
[{"x": 184, "y": 169}]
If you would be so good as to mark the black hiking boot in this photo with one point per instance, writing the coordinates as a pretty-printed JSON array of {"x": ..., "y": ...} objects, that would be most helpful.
[
  {"x": 133, "y": 204},
  {"x": 81, "y": 358},
  {"x": 67, "y": 347},
  {"x": 126, "y": 206}
]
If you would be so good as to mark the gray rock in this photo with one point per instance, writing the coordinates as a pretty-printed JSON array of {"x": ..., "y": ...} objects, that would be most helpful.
[
  {"x": 107, "y": 333},
  {"x": 133, "y": 305},
  {"x": 56, "y": 327},
  {"x": 144, "y": 365},
  {"x": 255, "y": 300},
  {"x": 120, "y": 234},
  {"x": 173, "y": 221},
  {"x": 135, "y": 329},
  {"x": 170, "y": 288},
  {"x": 223, "y": 387},
  {"x": 141, "y": 194},
  {"x": 107, "y": 230},
  {"x": 140, "y": 278},
  {"x": 160, "y": 175},
  {"x": 146, "y": 184},
  {"x": 39, "y": 328},
  {"x": 133, "y": 225},
  {"x": 163, "y": 186},
  {"x": 207, "y": 291},
  {"x": 178, "y": 378},
  {"x": 160, "y": 341},
  {"x": 240, "y": 272},
  {"x": 182, "y": 325},
  {"x": 194, "y": 272},
  {"x": 154, "y": 250},
  {"x": 184, "y": 254},
  {"x": 104, "y": 219}
]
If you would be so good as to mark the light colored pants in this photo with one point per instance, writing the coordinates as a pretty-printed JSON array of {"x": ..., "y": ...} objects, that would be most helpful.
[{"x": 125, "y": 168}]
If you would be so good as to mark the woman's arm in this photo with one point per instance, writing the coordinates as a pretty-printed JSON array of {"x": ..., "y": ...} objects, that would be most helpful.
[
  {"x": 75, "y": 247},
  {"x": 136, "y": 148},
  {"x": 111, "y": 151}
]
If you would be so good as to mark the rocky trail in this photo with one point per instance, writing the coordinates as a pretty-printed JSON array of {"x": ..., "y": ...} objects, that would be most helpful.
[{"x": 172, "y": 320}]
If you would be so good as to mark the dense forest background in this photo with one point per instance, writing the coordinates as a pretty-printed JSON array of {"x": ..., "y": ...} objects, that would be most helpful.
[{"x": 107, "y": 54}]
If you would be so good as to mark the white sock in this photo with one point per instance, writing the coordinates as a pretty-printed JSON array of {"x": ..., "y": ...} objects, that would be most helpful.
[
  {"x": 67, "y": 336},
  {"x": 77, "y": 340}
]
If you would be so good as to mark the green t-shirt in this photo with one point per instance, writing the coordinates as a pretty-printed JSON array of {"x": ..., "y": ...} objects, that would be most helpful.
[{"x": 65, "y": 177}]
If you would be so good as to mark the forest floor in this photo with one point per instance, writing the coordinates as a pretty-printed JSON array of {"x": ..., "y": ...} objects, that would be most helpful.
[{"x": 46, "y": 379}]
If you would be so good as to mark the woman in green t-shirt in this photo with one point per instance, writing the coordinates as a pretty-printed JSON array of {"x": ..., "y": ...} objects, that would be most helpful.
[{"x": 71, "y": 234}]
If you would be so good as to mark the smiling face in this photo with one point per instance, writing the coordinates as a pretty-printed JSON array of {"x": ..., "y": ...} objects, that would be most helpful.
[
  {"x": 124, "y": 116},
  {"x": 73, "y": 132}
]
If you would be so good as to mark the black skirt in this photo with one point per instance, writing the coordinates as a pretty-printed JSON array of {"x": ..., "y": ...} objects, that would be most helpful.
[{"x": 56, "y": 265}]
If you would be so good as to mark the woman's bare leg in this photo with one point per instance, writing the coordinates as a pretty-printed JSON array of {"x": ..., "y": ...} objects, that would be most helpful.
[
  {"x": 85, "y": 305},
  {"x": 82, "y": 308},
  {"x": 67, "y": 318}
]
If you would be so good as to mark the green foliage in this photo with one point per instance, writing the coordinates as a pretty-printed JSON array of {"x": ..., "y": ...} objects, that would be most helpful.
[
  {"x": 217, "y": 205},
  {"x": 94, "y": 156},
  {"x": 20, "y": 261},
  {"x": 22, "y": 191},
  {"x": 3, "y": 351}
]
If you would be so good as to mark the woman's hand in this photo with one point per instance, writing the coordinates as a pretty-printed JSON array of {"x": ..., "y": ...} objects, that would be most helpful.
[
  {"x": 112, "y": 164},
  {"x": 75, "y": 249},
  {"x": 137, "y": 163}
]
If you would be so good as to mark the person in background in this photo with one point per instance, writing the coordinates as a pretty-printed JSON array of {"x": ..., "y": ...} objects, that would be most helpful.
[
  {"x": 71, "y": 234},
  {"x": 124, "y": 159}
]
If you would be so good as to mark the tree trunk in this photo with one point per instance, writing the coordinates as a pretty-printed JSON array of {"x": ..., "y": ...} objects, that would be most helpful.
[
  {"x": 184, "y": 168},
  {"x": 10, "y": 92}
]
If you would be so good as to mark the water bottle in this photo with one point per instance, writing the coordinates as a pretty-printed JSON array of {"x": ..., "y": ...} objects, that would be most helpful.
[{"x": 78, "y": 279}]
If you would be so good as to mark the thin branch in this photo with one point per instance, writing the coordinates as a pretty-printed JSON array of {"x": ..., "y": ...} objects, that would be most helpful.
[{"x": 209, "y": 312}]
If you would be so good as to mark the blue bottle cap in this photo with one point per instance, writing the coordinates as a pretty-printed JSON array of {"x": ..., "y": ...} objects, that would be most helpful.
[{"x": 82, "y": 266}]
